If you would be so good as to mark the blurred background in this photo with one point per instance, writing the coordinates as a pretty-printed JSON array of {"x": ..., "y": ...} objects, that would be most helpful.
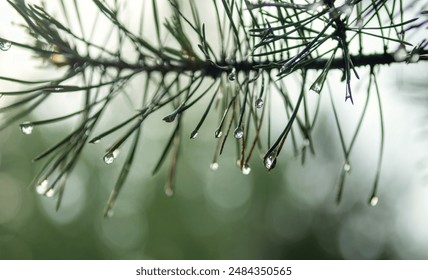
[{"x": 289, "y": 213}]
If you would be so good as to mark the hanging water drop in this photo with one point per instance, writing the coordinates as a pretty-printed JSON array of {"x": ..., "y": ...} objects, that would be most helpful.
[
  {"x": 238, "y": 133},
  {"x": 347, "y": 167},
  {"x": 50, "y": 192},
  {"x": 269, "y": 162},
  {"x": 316, "y": 87},
  {"x": 169, "y": 192},
  {"x": 346, "y": 11},
  {"x": 110, "y": 213},
  {"x": 96, "y": 141},
  {"x": 232, "y": 75},
  {"x": 26, "y": 128},
  {"x": 214, "y": 166},
  {"x": 306, "y": 142},
  {"x": 374, "y": 200},
  {"x": 170, "y": 117},
  {"x": 42, "y": 187},
  {"x": 5, "y": 45},
  {"x": 246, "y": 169},
  {"x": 360, "y": 23},
  {"x": 414, "y": 58},
  {"x": 218, "y": 133},
  {"x": 259, "y": 103},
  {"x": 317, "y": 6},
  {"x": 193, "y": 134},
  {"x": 109, "y": 158},
  {"x": 400, "y": 54}
]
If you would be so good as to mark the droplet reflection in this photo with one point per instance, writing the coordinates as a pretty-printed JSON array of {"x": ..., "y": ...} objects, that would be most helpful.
[{"x": 26, "y": 128}]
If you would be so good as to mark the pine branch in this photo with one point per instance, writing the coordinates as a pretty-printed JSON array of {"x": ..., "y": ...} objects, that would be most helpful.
[
  {"x": 212, "y": 70},
  {"x": 261, "y": 43}
]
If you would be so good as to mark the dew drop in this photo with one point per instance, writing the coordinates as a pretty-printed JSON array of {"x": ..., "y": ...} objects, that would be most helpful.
[
  {"x": 334, "y": 13},
  {"x": 317, "y": 6},
  {"x": 110, "y": 213},
  {"x": 5, "y": 45},
  {"x": 414, "y": 58},
  {"x": 259, "y": 103},
  {"x": 360, "y": 23},
  {"x": 109, "y": 158},
  {"x": 347, "y": 167},
  {"x": 42, "y": 187},
  {"x": 96, "y": 141},
  {"x": 246, "y": 169},
  {"x": 214, "y": 166},
  {"x": 232, "y": 75},
  {"x": 169, "y": 192},
  {"x": 306, "y": 142},
  {"x": 400, "y": 54},
  {"x": 193, "y": 134},
  {"x": 316, "y": 87},
  {"x": 50, "y": 192},
  {"x": 374, "y": 200},
  {"x": 218, "y": 133},
  {"x": 269, "y": 162},
  {"x": 170, "y": 118},
  {"x": 346, "y": 11},
  {"x": 26, "y": 128},
  {"x": 238, "y": 133}
]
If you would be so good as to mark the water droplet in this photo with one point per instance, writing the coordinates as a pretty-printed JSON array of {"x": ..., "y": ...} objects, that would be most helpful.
[
  {"x": 214, "y": 166},
  {"x": 26, "y": 128},
  {"x": 246, "y": 169},
  {"x": 317, "y": 6},
  {"x": 232, "y": 75},
  {"x": 1, "y": 95},
  {"x": 334, "y": 13},
  {"x": 306, "y": 142},
  {"x": 109, "y": 158},
  {"x": 5, "y": 45},
  {"x": 400, "y": 54},
  {"x": 414, "y": 58},
  {"x": 193, "y": 134},
  {"x": 42, "y": 187},
  {"x": 238, "y": 133},
  {"x": 360, "y": 23},
  {"x": 347, "y": 167},
  {"x": 346, "y": 11},
  {"x": 316, "y": 87},
  {"x": 259, "y": 103},
  {"x": 270, "y": 162},
  {"x": 170, "y": 118},
  {"x": 169, "y": 192},
  {"x": 218, "y": 133},
  {"x": 96, "y": 141},
  {"x": 374, "y": 200},
  {"x": 110, "y": 213},
  {"x": 50, "y": 192}
]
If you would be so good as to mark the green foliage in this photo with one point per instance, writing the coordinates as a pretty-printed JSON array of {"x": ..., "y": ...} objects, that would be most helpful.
[{"x": 261, "y": 44}]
